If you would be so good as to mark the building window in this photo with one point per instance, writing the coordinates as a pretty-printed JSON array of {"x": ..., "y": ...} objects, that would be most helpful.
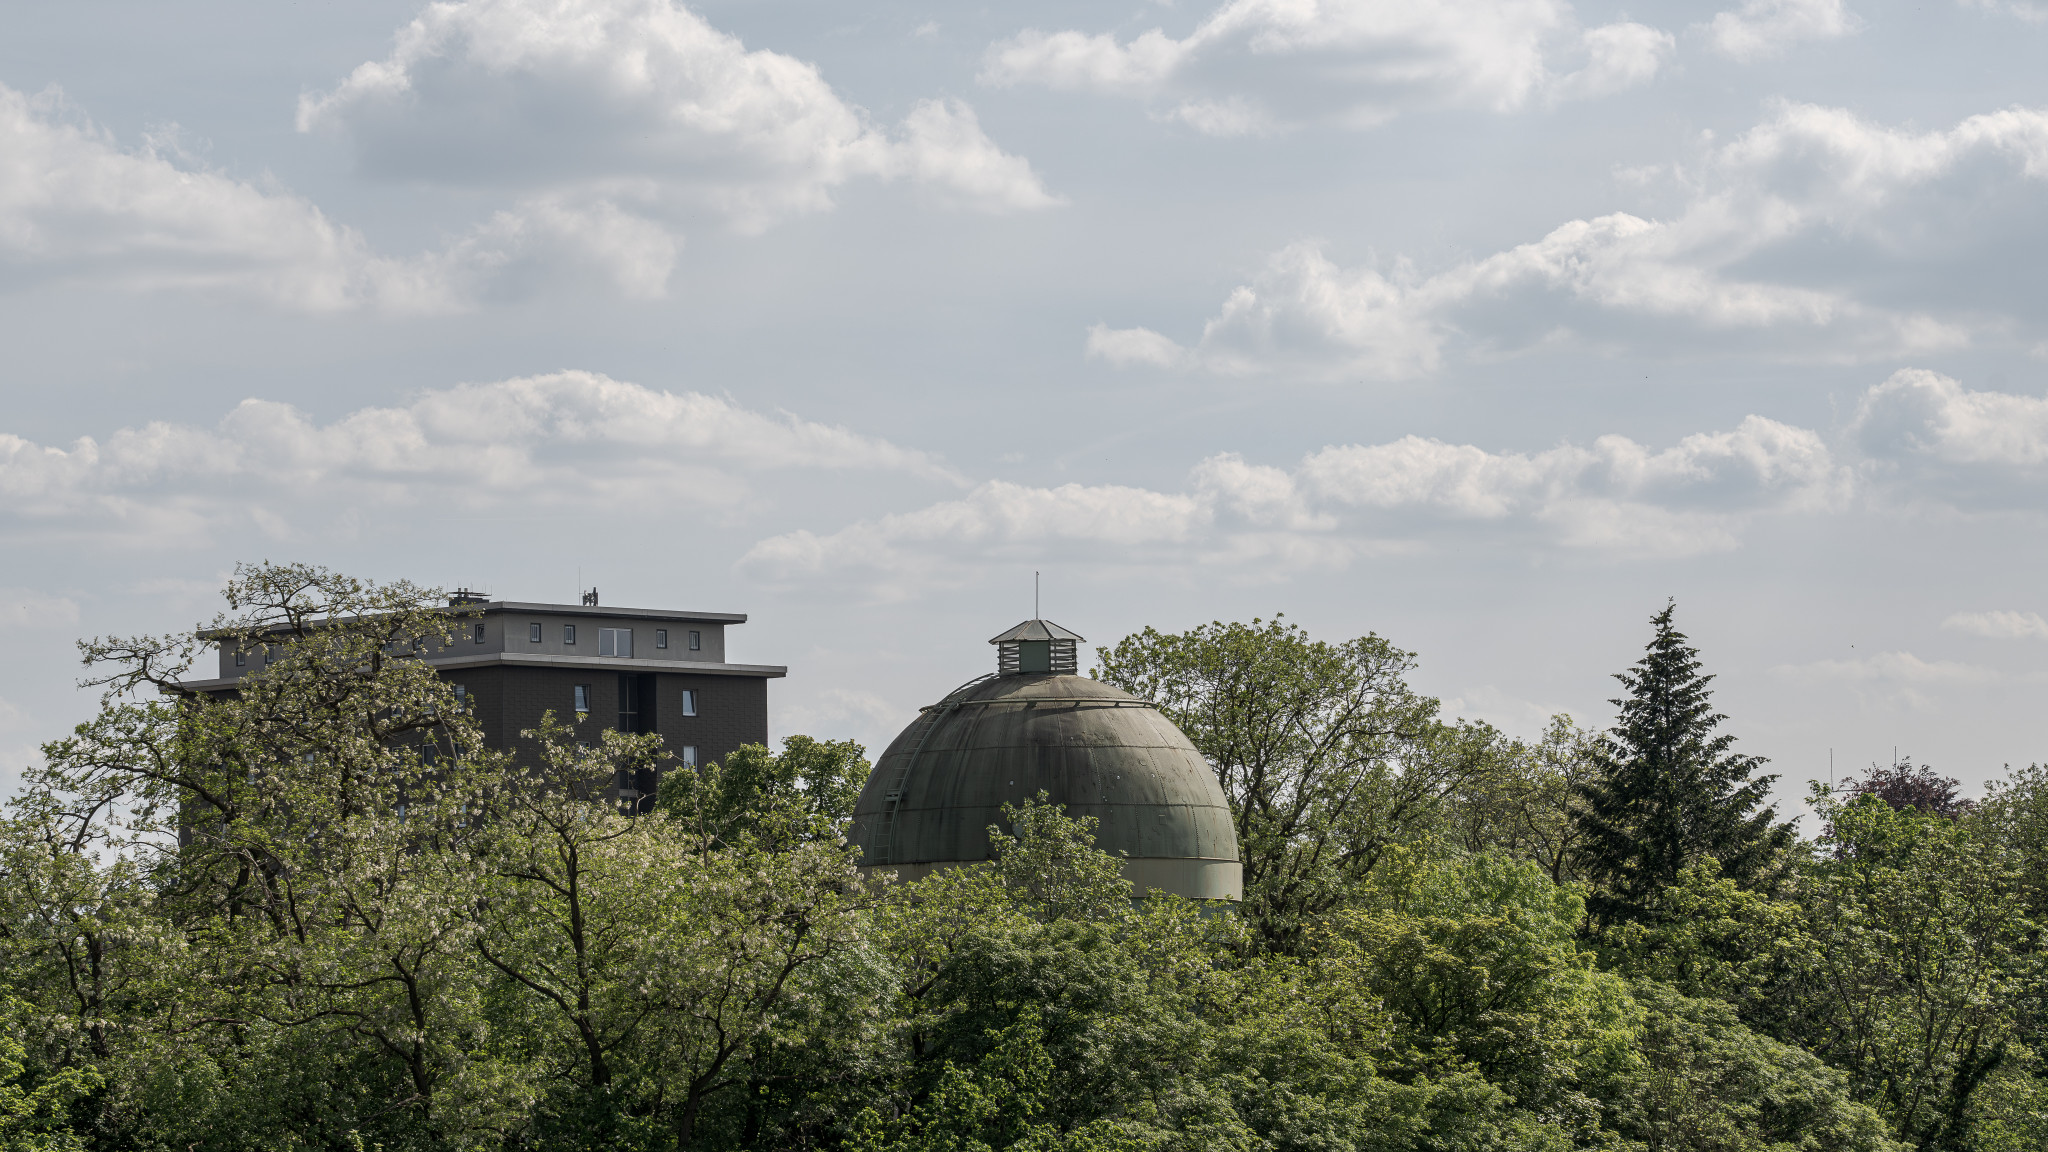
[
  {"x": 689, "y": 701},
  {"x": 629, "y": 702},
  {"x": 479, "y": 631},
  {"x": 464, "y": 702},
  {"x": 241, "y": 658},
  {"x": 689, "y": 755},
  {"x": 696, "y": 640},
  {"x": 582, "y": 699},
  {"x": 636, "y": 702},
  {"x": 568, "y": 633},
  {"x": 661, "y": 637},
  {"x": 615, "y": 642},
  {"x": 533, "y": 633}
]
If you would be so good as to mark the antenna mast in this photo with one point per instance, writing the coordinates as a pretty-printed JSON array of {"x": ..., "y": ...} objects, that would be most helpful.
[{"x": 1034, "y": 594}]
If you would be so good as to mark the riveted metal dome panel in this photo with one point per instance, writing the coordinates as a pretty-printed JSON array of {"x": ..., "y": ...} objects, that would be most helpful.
[{"x": 1091, "y": 747}]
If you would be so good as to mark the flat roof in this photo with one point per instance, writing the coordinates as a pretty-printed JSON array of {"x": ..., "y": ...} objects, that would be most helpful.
[
  {"x": 605, "y": 610},
  {"x": 521, "y": 607},
  {"x": 567, "y": 663}
]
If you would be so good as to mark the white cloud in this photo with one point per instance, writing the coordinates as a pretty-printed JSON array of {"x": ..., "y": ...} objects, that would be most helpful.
[
  {"x": 1928, "y": 441},
  {"x": 1126, "y": 346},
  {"x": 868, "y": 716},
  {"x": 549, "y": 243},
  {"x": 1910, "y": 438},
  {"x": 1761, "y": 29},
  {"x": 1618, "y": 57},
  {"x": 1901, "y": 669},
  {"x": 1890, "y": 680},
  {"x": 28, "y": 608},
  {"x": 1761, "y": 460},
  {"x": 2000, "y": 625},
  {"x": 1253, "y": 65},
  {"x": 13, "y": 719},
  {"x": 1617, "y": 494},
  {"x": 1077, "y": 62},
  {"x": 77, "y": 207},
  {"x": 610, "y": 122},
  {"x": 1918, "y": 414},
  {"x": 1338, "y": 503},
  {"x": 995, "y": 519},
  {"x": 1515, "y": 715},
  {"x": 2029, "y": 12},
  {"x": 644, "y": 105},
  {"x": 1234, "y": 116},
  {"x": 1815, "y": 235},
  {"x": 544, "y": 443},
  {"x": 944, "y": 151}
]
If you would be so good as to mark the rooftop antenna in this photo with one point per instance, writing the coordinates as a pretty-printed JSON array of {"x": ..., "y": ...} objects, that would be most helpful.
[{"x": 1034, "y": 594}]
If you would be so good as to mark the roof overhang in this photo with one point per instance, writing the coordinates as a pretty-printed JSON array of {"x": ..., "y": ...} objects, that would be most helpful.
[
  {"x": 1036, "y": 630},
  {"x": 519, "y": 607},
  {"x": 570, "y": 663}
]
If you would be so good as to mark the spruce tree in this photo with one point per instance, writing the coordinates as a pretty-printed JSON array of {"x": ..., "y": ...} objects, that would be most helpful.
[{"x": 1668, "y": 792}]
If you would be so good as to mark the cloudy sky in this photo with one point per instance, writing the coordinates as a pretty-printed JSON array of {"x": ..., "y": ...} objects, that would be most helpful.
[{"x": 1485, "y": 325}]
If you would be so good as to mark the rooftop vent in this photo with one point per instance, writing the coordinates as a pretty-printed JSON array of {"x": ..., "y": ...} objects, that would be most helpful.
[
  {"x": 465, "y": 596},
  {"x": 1036, "y": 646}
]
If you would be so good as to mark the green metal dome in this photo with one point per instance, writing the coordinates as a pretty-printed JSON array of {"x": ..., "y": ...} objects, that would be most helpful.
[{"x": 1094, "y": 749}]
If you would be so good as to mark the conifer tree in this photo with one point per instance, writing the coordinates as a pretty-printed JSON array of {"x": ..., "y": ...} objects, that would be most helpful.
[{"x": 1668, "y": 792}]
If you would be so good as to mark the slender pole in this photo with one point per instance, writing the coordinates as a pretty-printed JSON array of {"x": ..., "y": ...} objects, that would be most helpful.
[{"x": 1034, "y": 595}]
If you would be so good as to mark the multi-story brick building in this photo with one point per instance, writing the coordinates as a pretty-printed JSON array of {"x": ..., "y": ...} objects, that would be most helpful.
[{"x": 633, "y": 669}]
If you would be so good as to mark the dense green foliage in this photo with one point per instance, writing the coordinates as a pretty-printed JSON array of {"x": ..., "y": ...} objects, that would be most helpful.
[{"x": 320, "y": 915}]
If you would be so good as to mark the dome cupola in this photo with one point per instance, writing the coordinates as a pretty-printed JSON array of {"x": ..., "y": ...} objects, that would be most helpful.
[
  {"x": 1035, "y": 726},
  {"x": 1036, "y": 646}
]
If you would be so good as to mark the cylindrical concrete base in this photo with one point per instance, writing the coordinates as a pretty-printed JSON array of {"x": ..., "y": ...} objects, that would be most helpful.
[{"x": 1194, "y": 879}]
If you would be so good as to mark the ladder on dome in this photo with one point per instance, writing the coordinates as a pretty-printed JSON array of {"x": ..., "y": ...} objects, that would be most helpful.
[{"x": 885, "y": 836}]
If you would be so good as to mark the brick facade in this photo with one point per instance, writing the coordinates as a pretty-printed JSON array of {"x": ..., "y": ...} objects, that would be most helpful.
[
  {"x": 518, "y": 661},
  {"x": 508, "y": 700}
]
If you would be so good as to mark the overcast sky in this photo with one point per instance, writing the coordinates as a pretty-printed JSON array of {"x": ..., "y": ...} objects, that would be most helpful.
[{"x": 1485, "y": 325}]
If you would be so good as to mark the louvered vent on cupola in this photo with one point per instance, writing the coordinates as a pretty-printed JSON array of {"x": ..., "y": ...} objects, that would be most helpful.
[{"x": 1037, "y": 646}]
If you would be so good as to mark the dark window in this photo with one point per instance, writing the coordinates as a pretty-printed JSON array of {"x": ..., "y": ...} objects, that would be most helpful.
[
  {"x": 241, "y": 658},
  {"x": 479, "y": 631},
  {"x": 582, "y": 699},
  {"x": 463, "y": 700},
  {"x": 568, "y": 633},
  {"x": 533, "y": 633},
  {"x": 661, "y": 637},
  {"x": 636, "y": 702},
  {"x": 615, "y": 642},
  {"x": 696, "y": 640},
  {"x": 689, "y": 701}
]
